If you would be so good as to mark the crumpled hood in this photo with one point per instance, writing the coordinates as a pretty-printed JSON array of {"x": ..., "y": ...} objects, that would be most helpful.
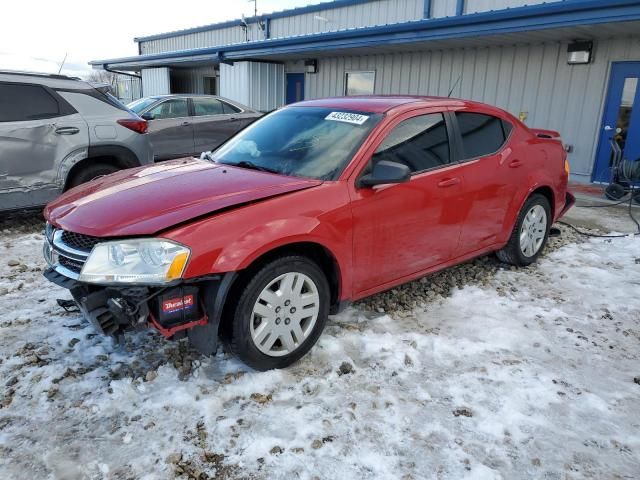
[{"x": 145, "y": 200}]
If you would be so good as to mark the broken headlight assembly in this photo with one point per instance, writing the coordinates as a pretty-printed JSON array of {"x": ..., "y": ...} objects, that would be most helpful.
[{"x": 146, "y": 261}]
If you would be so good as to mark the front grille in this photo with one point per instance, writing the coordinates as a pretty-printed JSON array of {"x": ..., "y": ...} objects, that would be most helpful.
[
  {"x": 73, "y": 265},
  {"x": 79, "y": 241}
]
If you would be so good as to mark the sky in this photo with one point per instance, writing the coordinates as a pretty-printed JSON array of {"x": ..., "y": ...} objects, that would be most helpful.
[{"x": 36, "y": 35}]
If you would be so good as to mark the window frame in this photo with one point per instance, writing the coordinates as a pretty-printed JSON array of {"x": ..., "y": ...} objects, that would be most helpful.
[
  {"x": 164, "y": 100},
  {"x": 346, "y": 85},
  {"x": 454, "y": 157},
  {"x": 64, "y": 108},
  {"x": 460, "y": 143}
]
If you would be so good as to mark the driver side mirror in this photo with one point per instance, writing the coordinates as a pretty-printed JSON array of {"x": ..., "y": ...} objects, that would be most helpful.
[
  {"x": 385, "y": 172},
  {"x": 148, "y": 116}
]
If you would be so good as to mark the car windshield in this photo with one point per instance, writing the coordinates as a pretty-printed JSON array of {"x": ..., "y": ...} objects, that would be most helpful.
[
  {"x": 307, "y": 142},
  {"x": 138, "y": 106}
]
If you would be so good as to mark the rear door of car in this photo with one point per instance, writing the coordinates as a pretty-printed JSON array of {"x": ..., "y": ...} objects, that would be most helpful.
[
  {"x": 38, "y": 129},
  {"x": 493, "y": 173},
  {"x": 400, "y": 230},
  {"x": 171, "y": 129},
  {"x": 214, "y": 122}
]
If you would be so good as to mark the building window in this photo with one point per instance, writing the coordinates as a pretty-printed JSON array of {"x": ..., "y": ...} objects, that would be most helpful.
[{"x": 359, "y": 83}]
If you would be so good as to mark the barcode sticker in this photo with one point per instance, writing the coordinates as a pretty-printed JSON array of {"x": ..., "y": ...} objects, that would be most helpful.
[{"x": 354, "y": 118}]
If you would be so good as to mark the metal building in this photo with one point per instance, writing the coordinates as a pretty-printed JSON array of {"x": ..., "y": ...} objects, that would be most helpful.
[{"x": 570, "y": 65}]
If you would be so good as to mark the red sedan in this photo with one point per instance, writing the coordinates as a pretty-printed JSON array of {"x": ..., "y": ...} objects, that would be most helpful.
[{"x": 311, "y": 207}]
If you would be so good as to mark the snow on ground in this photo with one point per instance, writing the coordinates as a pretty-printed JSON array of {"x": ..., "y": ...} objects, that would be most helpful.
[{"x": 526, "y": 374}]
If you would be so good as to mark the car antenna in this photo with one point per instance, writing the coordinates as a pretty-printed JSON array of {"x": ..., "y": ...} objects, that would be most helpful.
[{"x": 454, "y": 85}]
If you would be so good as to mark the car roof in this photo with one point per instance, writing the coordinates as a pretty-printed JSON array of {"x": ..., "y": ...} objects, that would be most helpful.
[
  {"x": 378, "y": 103},
  {"x": 48, "y": 79}
]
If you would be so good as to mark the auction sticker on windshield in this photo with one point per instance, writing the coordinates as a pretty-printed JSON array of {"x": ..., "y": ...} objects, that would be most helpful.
[{"x": 347, "y": 117}]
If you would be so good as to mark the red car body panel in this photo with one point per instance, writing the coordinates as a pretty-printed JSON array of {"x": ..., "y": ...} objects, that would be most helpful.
[
  {"x": 146, "y": 200},
  {"x": 379, "y": 237}
]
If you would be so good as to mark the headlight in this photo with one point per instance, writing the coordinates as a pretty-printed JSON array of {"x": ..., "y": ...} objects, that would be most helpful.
[{"x": 145, "y": 261}]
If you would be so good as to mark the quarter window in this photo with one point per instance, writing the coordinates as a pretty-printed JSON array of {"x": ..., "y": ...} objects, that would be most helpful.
[
  {"x": 421, "y": 143},
  {"x": 481, "y": 134},
  {"x": 26, "y": 102},
  {"x": 228, "y": 108},
  {"x": 174, "y": 108},
  {"x": 207, "y": 106}
]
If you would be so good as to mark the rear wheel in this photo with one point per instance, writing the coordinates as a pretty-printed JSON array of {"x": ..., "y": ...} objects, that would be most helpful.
[
  {"x": 530, "y": 233},
  {"x": 281, "y": 313},
  {"x": 91, "y": 171}
]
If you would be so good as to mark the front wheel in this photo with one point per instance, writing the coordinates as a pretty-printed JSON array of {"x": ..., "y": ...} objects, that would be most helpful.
[
  {"x": 530, "y": 233},
  {"x": 281, "y": 313}
]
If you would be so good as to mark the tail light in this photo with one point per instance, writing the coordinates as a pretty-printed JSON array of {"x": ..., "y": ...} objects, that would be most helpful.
[{"x": 137, "y": 125}]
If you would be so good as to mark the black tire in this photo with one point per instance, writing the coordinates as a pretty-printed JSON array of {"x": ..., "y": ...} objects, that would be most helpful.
[
  {"x": 91, "y": 171},
  {"x": 242, "y": 344},
  {"x": 512, "y": 252}
]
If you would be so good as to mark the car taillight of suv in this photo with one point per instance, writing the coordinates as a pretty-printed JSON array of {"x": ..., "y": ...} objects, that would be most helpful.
[{"x": 139, "y": 126}]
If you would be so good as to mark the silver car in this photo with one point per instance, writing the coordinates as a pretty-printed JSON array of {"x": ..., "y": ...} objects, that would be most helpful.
[
  {"x": 183, "y": 125},
  {"x": 57, "y": 132}
]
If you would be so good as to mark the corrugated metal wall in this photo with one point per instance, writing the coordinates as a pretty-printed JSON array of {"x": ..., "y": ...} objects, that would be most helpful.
[
  {"x": 528, "y": 78},
  {"x": 473, "y": 6},
  {"x": 443, "y": 8},
  {"x": 256, "y": 84},
  {"x": 155, "y": 81},
  {"x": 378, "y": 12}
]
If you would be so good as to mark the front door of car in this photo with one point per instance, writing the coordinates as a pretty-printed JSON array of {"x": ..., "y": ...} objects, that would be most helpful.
[
  {"x": 402, "y": 229},
  {"x": 493, "y": 174},
  {"x": 214, "y": 122},
  {"x": 170, "y": 129}
]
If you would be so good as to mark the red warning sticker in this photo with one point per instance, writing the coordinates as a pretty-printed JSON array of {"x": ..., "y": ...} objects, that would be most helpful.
[{"x": 176, "y": 304}]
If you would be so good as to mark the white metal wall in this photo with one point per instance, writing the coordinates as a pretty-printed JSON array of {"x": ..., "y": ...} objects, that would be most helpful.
[
  {"x": 155, "y": 81},
  {"x": 381, "y": 12},
  {"x": 443, "y": 8},
  {"x": 256, "y": 84},
  {"x": 529, "y": 78},
  {"x": 473, "y": 6},
  {"x": 377, "y": 12}
]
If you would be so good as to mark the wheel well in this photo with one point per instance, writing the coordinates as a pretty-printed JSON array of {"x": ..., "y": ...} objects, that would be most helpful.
[
  {"x": 548, "y": 194},
  {"x": 314, "y": 251},
  {"x": 78, "y": 167}
]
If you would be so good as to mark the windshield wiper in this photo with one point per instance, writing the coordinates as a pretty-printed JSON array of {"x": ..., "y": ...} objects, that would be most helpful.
[{"x": 253, "y": 166}]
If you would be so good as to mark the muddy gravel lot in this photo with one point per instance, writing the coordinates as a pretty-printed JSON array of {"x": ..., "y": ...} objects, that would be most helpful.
[{"x": 478, "y": 372}]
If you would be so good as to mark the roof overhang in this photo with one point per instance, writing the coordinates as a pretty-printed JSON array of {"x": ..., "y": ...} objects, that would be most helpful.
[{"x": 550, "y": 21}]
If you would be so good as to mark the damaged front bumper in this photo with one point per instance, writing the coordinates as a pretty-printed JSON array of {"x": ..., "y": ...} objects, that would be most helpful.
[{"x": 190, "y": 308}]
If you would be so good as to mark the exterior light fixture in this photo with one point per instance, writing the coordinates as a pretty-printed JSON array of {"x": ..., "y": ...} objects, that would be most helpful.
[
  {"x": 311, "y": 66},
  {"x": 579, "y": 53}
]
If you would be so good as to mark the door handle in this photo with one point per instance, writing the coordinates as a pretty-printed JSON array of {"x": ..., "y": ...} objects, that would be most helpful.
[
  {"x": 448, "y": 182},
  {"x": 185, "y": 124},
  {"x": 67, "y": 130},
  {"x": 515, "y": 164}
]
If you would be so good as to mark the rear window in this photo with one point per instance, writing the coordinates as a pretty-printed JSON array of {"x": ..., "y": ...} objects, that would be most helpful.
[
  {"x": 481, "y": 134},
  {"x": 139, "y": 105},
  {"x": 26, "y": 102}
]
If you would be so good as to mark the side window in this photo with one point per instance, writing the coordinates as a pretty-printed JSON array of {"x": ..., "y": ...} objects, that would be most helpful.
[
  {"x": 228, "y": 108},
  {"x": 207, "y": 106},
  {"x": 174, "y": 108},
  {"x": 481, "y": 134},
  {"x": 421, "y": 143},
  {"x": 26, "y": 102}
]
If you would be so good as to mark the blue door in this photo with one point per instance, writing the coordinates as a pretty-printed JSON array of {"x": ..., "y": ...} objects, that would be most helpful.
[
  {"x": 621, "y": 120},
  {"x": 295, "y": 87}
]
